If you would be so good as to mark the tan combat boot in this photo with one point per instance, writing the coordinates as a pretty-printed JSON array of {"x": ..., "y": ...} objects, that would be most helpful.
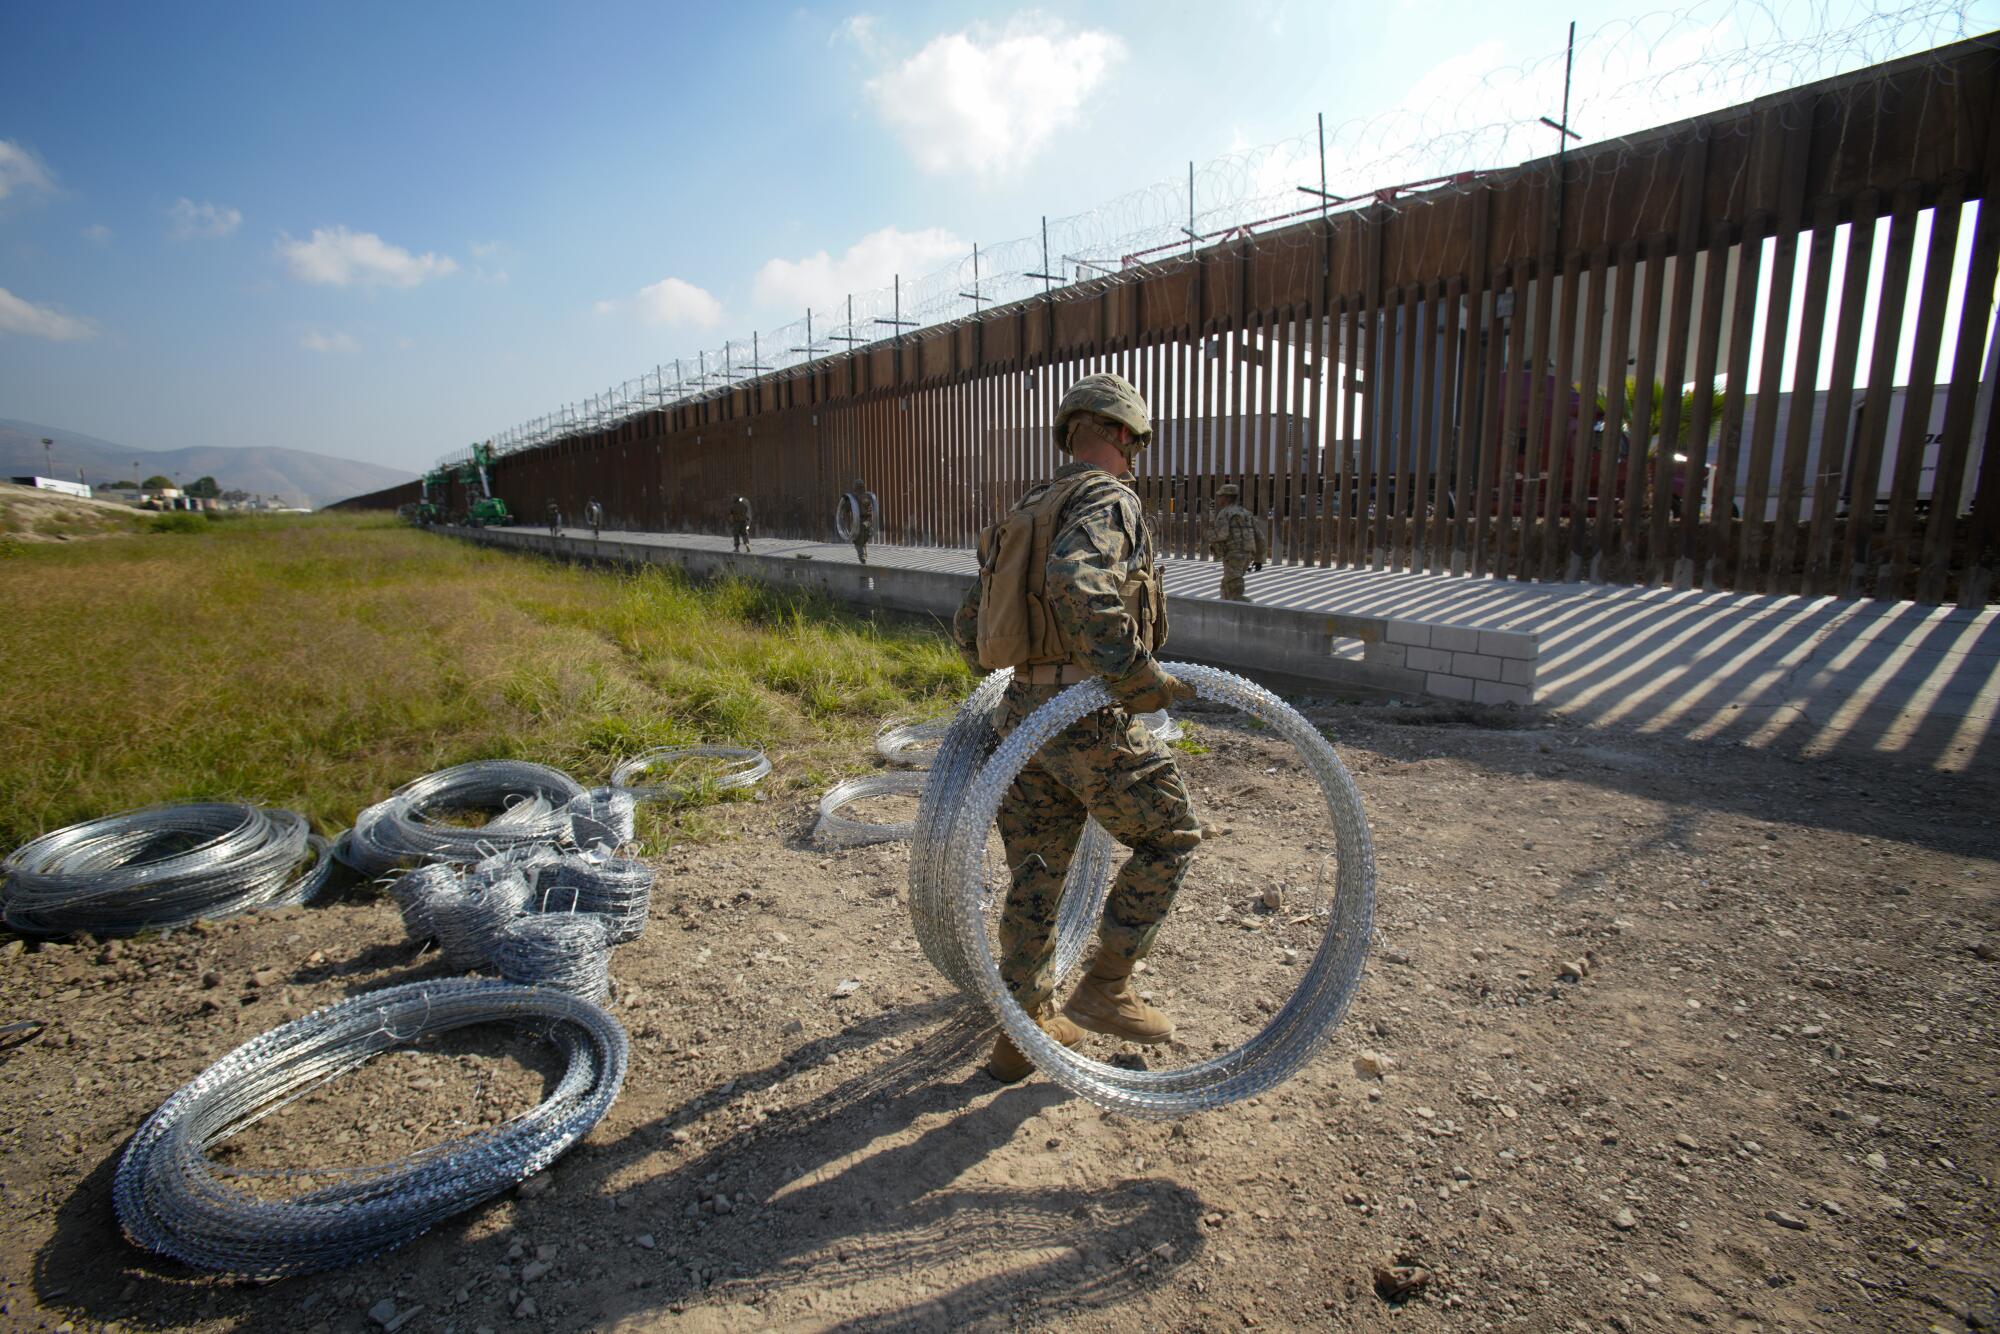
[
  {"x": 1104, "y": 1002},
  {"x": 1009, "y": 1066}
]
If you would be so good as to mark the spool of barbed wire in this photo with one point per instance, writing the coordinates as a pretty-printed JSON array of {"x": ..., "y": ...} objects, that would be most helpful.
[
  {"x": 174, "y": 1199},
  {"x": 412, "y": 892},
  {"x": 601, "y": 818},
  {"x": 569, "y": 951},
  {"x": 676, "y": 773},
  {"x": 164, "y": 866},
  {"x": 468, "y": 914},
  {"x": 1301, "y": 1027},
  {"x": 615, "y": 888}
]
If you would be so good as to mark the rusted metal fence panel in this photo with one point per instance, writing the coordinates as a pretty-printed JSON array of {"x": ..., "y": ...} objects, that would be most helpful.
[{"x": 1672, "y": 358}]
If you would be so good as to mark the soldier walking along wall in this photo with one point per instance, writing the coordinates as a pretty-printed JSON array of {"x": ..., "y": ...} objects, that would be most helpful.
[{"x": 1745, "y": 351}]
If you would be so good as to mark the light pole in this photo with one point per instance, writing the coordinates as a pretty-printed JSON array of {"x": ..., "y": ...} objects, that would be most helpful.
[{"x": 49, "y": 455}]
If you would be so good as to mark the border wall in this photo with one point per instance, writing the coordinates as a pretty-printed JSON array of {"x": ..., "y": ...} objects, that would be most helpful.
[{"x": 1482, "y": 378}]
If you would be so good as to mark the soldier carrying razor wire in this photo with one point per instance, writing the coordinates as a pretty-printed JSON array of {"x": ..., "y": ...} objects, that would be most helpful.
[
  {"x": 1078, "y": 547},
  {"x": 864, "y": 518},
  {"x": 739, "y": 524},
  {"x": 1238, "y": 539}
]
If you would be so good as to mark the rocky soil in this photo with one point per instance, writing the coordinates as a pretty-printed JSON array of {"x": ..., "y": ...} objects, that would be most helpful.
[{"x": 1653, "y": 1037}]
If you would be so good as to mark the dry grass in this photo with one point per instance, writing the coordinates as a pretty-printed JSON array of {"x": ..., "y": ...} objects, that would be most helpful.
[{"x": 318, "y": 663}]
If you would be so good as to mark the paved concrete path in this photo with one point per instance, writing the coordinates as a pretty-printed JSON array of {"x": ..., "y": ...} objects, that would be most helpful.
[{"x": 1811, "y": 675}]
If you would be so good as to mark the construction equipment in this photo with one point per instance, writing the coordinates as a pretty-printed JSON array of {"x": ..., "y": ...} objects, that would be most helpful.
[
  {"x": 431, "y": 490},
  {"x": 482, "y": 506}
]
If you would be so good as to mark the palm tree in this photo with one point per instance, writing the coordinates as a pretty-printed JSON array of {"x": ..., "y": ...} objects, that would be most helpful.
[{"x": 1656, "y": 398}]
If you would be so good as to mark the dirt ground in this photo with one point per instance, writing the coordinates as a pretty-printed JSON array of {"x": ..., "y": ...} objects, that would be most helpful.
[
  {"x": 28, "y": 514},
  {"x": 1767, "y": 1103}
]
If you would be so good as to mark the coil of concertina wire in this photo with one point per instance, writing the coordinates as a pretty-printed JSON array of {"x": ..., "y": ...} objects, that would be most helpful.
[
  {"x": 847, "y": 513},
  {"x": 933, "y": 897},
  {"x": 956, "y": 836},
  {"x": 164, "y": 866},
  {"x": 531, "y": 802},
  {"x": 173, "y": 1199},
  {"x": 835, "y": 830},
  {"x": 903, "y": 743},
  {"x": 654, "y": 775}
]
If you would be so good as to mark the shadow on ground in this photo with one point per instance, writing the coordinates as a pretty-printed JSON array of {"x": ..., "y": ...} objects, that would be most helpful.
[{"x": 869, "y": 1233}]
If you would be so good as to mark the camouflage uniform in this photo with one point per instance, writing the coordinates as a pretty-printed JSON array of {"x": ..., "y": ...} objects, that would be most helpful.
[
  {"x": 1108, "y": 765},
  {"x": 1235, "y": 535},
  {"x": 739, "y": 524},
  {"x": 864, "y": 519}
]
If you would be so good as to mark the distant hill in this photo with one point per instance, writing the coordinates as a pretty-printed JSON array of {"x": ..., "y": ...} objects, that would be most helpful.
[{"x": 300, "y": 477}]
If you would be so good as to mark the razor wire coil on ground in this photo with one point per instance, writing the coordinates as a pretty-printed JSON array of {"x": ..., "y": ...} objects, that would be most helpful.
[
  {"x": 174, "y": 1199},
  {"x": 531, "y": 802},
  {"x": 835, "y": 830},
  {"x": 569, "y": 951},
  {"x": 740, "y": 767},
  {"x": 948, "y": 896},
  {"x": 902, "y": 743},
  {"x": 164, "y": 866}
]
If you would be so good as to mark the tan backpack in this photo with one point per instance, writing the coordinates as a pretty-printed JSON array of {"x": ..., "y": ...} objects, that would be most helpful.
[{"x": 1016, "y": 627}]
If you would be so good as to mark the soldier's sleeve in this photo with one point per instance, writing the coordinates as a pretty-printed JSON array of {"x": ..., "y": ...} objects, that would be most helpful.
[
  {"x": 1087, "y": 561},
  {"x": 965, "y": 627}
]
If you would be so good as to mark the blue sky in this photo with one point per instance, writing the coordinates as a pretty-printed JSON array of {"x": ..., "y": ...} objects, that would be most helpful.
[{"x": 380, "y": 231}]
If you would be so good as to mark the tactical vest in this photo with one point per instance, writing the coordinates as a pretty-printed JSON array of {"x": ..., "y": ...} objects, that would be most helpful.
[{"x": 1017, "y": 626}]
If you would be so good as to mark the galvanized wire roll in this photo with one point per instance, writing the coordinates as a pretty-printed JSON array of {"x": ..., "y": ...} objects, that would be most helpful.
[
  {"x": 569, "y": 951},
  {"x": 740, "y": 767},
  {"x": 902, "y": 743},
  {"x": 601, "y": 818},
  {"x": 412, "y": 893},
  {"x": 529, "y": 802},
  {"x": 164, "y": 866},
  {"x": 615, "y": 888},
  {"x": 835, "y": 830},
  {"x": 173, "y": 1199},
  {"x": 1299, "y": 1030},
  {"x": 1162, "y": 725},
  {"x": 933, "y": 897},
  {"x": 468, "y": 913}
]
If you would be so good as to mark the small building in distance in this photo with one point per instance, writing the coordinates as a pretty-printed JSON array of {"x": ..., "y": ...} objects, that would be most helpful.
[{"x": 77, "y": 489}]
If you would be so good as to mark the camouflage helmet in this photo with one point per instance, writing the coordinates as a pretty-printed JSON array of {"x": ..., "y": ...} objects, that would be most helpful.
[
  {"x": 1106, "y": 396},
  {"x": 1229, "y": 489}
]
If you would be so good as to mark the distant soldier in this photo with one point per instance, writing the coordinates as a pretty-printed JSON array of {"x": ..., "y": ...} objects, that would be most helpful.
[
  {"x": 739, "y": 524},
  {"x": 864, "y": 519},
  {"x": 555, "y": 519},
  {"x": 1236, "y": 536}
]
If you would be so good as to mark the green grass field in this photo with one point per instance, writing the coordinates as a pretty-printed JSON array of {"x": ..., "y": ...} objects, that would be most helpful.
[{"x": 319, "y": 662}]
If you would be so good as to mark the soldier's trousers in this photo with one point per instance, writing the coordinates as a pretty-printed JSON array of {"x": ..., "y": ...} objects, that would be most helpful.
[
  {"x": 1232, "y": 580},
  {"x": 740, "y": 538},
  {"x": 862, "y": 532},
  {"x": 1113, "y": 768}
]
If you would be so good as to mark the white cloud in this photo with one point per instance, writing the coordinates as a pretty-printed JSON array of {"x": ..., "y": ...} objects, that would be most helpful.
[
  {"x": 493, "y": 258},
  {"x": 204, "y": 220},
  {"x": 669, "y": 301},
  {"x": 97, "y": 232},
  {"x": 19, "y": 315},
  {"x": 984, "y": 101},
  {"x": 819, "y": 281},
  {"x": 319, "y": 340},
  {"x": 22, "y": 173},
  {"x": 339, "y": 258}
]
